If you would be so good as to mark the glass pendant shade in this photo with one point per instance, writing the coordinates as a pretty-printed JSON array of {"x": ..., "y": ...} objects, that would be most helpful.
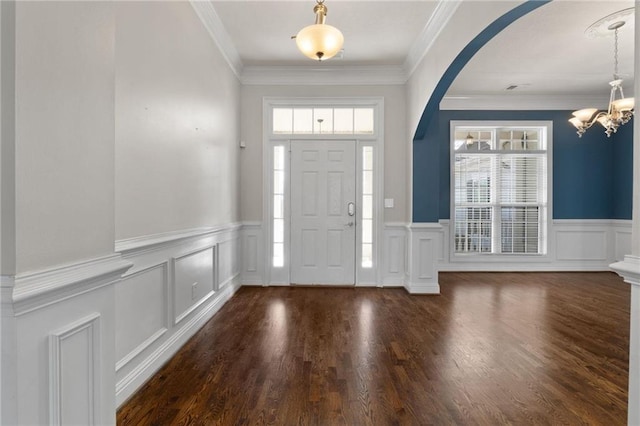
[
  {"x": 604, "y": 120},
  {"x": 585, "y": 114},
  {"x": 623, "y": 105},
  {"x": 576, "y": 122},
  {"x": 319, "y": 41}
]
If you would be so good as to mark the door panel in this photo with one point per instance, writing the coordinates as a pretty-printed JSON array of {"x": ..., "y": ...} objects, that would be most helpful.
[{"x": 323, "y": 235}]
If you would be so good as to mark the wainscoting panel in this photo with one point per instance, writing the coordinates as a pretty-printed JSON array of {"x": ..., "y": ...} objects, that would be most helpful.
[
  {"x": 194, "y": 280},
  {"x": 395, "y": 254},
  {"x": 227, "y": 261},
  {"x": 621, "y": 239},
  {"x": 64, "y": 333},
  {"x": 422, "y": 271},
  {"x": 178, "y": 281},
  {"x": 150, "y": 318},
  {"x": 252, "y": 249},
  {"x": 74, "y": 373},
  {"x": 581, "y": 245},
  {"x": 573, "y": 245}
]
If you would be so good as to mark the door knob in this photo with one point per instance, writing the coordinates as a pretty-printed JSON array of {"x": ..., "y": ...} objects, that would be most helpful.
[{"x": 349, "y": 224}]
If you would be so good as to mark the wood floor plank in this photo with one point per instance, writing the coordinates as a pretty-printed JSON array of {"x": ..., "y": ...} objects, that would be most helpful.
[{"x": 492, "y": 349}]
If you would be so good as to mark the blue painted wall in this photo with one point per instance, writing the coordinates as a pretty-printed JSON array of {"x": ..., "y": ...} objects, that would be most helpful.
[{"x": 592, "y": 176}]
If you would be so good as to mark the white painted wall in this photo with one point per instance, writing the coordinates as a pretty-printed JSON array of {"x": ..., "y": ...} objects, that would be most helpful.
[
  {"x": 64, "y": 132},
  {"x": 177, "y": 108},
  {"x": 395, "y": 160},
  {"x": 7, "y": 138},
  {"x": 92, "y": 80}
]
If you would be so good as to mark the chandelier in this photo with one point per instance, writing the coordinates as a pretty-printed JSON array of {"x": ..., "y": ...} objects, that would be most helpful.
[
  {"x": 620, "y": 108},
  {"x": 319, "y": 41}
]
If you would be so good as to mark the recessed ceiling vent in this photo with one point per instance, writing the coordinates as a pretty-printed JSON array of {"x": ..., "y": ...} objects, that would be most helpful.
[{"x": 513, "y": 86}]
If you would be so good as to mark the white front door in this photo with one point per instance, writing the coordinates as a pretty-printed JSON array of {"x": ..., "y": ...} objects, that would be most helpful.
[{"x": 323, "y": 220}]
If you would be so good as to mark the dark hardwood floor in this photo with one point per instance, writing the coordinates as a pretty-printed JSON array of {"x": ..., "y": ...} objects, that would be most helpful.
[{"x": 493, "y": 348}]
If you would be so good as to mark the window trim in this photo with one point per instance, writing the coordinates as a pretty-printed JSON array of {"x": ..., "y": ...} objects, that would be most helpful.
[{"x": 508, "y": 258}]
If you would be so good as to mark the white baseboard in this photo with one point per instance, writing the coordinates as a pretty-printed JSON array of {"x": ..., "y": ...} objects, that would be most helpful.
[
  {"x": 629, "y": 269},
  {"x": 423, "y": 288}
]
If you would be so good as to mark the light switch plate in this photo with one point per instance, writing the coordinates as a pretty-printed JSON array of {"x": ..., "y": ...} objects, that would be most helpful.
[{"x": 388, "y": 203}]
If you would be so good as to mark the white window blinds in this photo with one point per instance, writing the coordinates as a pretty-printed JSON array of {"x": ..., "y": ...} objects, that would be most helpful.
[{"x": 499, "y": 190}]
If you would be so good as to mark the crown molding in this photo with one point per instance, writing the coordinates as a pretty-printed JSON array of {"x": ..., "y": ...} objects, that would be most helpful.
[
  {"x": 211, "y": 21},
  {"x": 521, "y": 102},
  {"x": 323, "y": 75},
  {"x": 327, "y": 74},
  {"x": 438, "y": 20}
]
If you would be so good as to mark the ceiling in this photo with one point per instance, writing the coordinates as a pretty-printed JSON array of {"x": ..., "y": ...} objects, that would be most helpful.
[
  {"x": 261, "y": 30},
  {"x": 544, "y": 52}
]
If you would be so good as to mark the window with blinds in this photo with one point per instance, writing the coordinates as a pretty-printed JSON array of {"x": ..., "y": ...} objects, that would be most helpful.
[{"x": 499, "y": 189}]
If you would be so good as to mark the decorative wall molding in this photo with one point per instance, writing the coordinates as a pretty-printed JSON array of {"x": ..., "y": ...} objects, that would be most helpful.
[
  {"x": 394, "y": 258},
  {"x": 573, "y": 245},
  {"x": 329, "y": 73},
  {"x": 196, "y": 287},
  {"x": 66, "y": 362},
  {"x": 211, "y": 21},
  {"x": 438, "y": 20},
  {"x": 251, "y": 247},
  {"x": 313, "y": 75},
  {"x": 423, "y": 245},
  {"x": 35, "y": 290},
  {"x": 9, "y": 355},
  {"x": 157, "y": 241},
  {"x": 195, "y": 282},
  {"x": 142, "y": 371},
  {"x": 141, "y": 284},
  {"x": 621, "y": 239},
  {"x": 518, "y": 101}
]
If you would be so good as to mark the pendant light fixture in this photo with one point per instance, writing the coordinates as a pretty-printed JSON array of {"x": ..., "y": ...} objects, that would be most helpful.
[
  {"x": 620, "y": 108},
  {"x": 319, "y": 41}
]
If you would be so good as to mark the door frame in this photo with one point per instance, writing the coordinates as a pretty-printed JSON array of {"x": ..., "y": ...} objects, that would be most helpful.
[{"x": 281, "y": 275}]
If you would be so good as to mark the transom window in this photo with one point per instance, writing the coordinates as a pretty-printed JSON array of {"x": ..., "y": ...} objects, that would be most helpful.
[
  {"x": 499, "y": 189},
  {"x": 323, "y": 121}
]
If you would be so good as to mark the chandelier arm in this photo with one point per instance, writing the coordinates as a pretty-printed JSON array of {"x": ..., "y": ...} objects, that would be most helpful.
[{"x": 595, "y": 118}]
